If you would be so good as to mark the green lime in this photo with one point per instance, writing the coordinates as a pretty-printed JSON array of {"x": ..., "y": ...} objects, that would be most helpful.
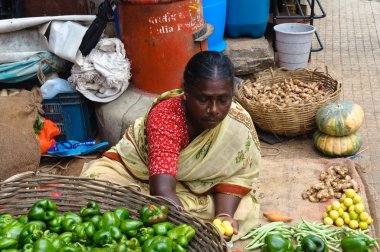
[
  {"x": 335, "y": 205},
  {"x": 353, "y": 224},
  {"x": 339, "y": 222},
  {"x": 357, "y": 199},
  {"x": 328, "y": 221},
  {"x": 350, "y": 193},
  {"x": 359, "y": 208},
  {"x": 353, "y": 215},
  {"x": 363, "y": 225},
  {"x": 334, "y": 214}
]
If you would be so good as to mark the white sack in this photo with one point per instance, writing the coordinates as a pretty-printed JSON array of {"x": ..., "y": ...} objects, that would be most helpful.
[{"x": 65, "y": 38}]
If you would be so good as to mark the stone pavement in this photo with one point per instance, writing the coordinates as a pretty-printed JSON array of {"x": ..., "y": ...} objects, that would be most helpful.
[{"x": 351, "y": 36}]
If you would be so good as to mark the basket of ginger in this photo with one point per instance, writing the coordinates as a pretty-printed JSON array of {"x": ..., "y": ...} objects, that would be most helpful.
[{"x": 285, "y": 102}]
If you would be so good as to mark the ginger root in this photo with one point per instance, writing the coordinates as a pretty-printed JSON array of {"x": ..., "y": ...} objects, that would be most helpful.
[
  {"x": 295, "y": 91},
  {"x": 333, "y": 182}
]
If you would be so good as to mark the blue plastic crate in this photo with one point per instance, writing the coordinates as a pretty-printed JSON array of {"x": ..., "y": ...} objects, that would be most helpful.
[{"x": 73, "y": 114}]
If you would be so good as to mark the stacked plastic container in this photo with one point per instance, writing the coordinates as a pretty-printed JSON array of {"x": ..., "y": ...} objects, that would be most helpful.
[
  {"x": 73, "y": 114},
  {"x": 214, "y": 12},
  {"x": 247, "y": 18}
]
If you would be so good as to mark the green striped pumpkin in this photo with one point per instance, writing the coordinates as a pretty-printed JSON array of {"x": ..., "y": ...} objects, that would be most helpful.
[
  {"x": 337, "y": 146},
  {"x": 340, "y": 118}
]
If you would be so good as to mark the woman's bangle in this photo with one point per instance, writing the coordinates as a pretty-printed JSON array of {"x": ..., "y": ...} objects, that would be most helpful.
[{"x": 223, "y": 214}]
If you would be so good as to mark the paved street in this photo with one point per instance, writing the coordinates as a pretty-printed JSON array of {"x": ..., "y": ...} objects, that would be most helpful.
[{"x": 351, "y": 37}]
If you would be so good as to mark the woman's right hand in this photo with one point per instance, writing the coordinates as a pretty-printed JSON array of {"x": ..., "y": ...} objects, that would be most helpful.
[
  {"x": 233, "y": 223},
  {"x": 164, "y": 185}
]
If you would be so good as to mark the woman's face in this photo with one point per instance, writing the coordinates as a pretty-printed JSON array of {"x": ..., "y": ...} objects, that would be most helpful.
[{"x": 208, "y": 103}]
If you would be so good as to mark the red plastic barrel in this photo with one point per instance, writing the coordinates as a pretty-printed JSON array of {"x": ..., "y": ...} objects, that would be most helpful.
[{"x": 160, "y": 36}]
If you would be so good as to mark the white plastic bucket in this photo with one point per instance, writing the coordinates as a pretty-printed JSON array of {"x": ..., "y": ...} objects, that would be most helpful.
[{"x": 293, "y": 43}]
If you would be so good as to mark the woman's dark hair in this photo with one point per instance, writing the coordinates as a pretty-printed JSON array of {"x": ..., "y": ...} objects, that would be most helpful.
[{"x": 208, "y": 65}]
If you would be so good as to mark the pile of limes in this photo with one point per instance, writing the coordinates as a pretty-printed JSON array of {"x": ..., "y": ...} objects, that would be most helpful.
[
  {"x": 225, "y": 227},
  {"x": 349, "y": 210}
]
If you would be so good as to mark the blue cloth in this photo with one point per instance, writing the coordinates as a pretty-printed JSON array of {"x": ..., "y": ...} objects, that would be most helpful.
[{"x": 27, "y": 69}]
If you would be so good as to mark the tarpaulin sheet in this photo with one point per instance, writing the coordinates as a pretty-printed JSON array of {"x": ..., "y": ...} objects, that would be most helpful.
[{"x": 22, "y": 38}]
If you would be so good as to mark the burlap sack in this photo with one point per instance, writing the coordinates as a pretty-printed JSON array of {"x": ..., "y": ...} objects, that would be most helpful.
[{"x": 19, "y": 147}]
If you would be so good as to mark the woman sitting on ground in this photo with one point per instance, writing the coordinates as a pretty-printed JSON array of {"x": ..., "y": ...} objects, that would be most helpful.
[{"x": 197, "y": 147}]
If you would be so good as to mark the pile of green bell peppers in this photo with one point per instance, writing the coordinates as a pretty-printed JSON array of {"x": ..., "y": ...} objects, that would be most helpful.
[{"x": 44, "y": 229}]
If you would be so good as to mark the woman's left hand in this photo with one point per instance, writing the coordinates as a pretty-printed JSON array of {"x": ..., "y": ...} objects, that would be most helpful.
[{"x": 234, "y": 223}]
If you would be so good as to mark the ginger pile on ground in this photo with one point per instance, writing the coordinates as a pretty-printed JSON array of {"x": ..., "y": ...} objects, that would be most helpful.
[{"x": 334, "y": 181}]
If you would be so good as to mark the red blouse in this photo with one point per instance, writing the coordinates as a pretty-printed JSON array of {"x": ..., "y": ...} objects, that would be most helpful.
[{"x": 167, "y": 134}]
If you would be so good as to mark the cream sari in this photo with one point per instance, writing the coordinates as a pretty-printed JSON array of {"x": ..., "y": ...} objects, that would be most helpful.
[{"x": 224, "y": 159}]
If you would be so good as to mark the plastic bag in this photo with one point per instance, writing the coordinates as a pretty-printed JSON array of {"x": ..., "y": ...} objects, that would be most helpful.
[
  {"x": 47, "y": 134},
  {"x": 55, "y": 86}
]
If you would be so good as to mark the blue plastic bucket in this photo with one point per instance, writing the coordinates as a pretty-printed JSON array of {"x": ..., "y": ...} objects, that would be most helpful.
[
  {"x": 214, "y": 12},
  {"x": 247, "y": 18}
]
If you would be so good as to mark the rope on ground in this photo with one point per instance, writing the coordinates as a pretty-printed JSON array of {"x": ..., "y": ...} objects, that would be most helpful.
[
  {"x": 357, "y": 154},
  {"x": 56, "y": 165},
  {"x": 63, "y": 163}
]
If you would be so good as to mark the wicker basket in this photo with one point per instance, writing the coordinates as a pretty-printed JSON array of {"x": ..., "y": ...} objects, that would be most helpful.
[
  {"x": 294, "y": 119},
  {"x": 18, "y": 194}
]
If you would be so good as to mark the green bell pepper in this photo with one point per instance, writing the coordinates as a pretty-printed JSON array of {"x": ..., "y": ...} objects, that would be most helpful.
[
  {"x": 144, "y": 234},
  {"x": 23, "y": 219},
  {"x": 162, "y": 228},
  {"x": 55, "y": 224},
  {"x": 83, "y": 232},
  {"x": 5, "y": 220},
  {"x": 70, "y": 248},
  {"x": 277, "y": 243},
  {"x": 12, "y": 230},
  {"x": 10, "y": 227},
  {"x": 131, "y": 245},
  {"x": 180, "y": 244},
  {"x": 43, "y": 210},
  {"x": 312, "y": 243},
  {"x": 96, "y": 220},
  {"x": 43, "y": 245},
  {"x": 11, "y": 250},
  {"x": 91, "y": 209},
  {"x": 121, "y": 213},
  {"x": 54, "y": 239},
  {"x": 101, "y": 250},
  {"x": 130, "y": 227},
  {"x": 178, "y": 248},
  {"x": 66, "y": 237},
  {"x": 107, "y": 236},
  {"x": 158, "y": 244},
  {"x": 151, "y": 214},
  {"x": 27, "y": 247},
  {"x": 70, "y": 221},
  {"x": 31, "y": 232},
  {"x": 356, "y": 244},
  {"x": 109, "y": 219},
  {"x": 8, "y": 243},
  {"x": 182, "y": 234}
]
